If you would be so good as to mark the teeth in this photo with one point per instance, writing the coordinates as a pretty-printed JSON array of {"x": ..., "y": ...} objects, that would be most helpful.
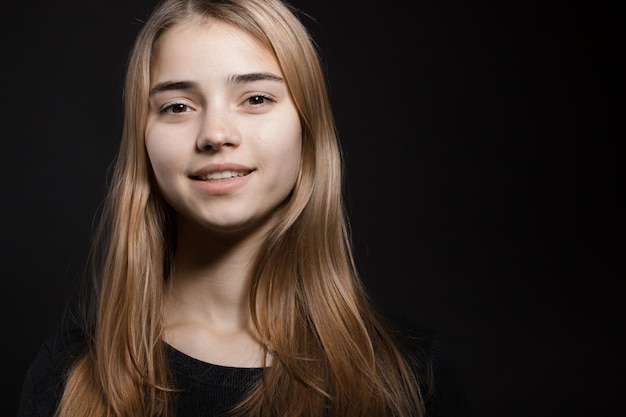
[{"x": 224, "y": 175}]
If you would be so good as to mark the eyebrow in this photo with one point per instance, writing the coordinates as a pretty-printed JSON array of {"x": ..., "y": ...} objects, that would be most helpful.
[
  {"x": 234, "y": 79},
  {"x": 254, "y": 76},
  {"x": 173, "y": 85}
]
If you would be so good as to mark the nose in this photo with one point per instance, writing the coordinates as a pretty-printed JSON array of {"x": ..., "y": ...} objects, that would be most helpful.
[{"x": 218, "y": 130}]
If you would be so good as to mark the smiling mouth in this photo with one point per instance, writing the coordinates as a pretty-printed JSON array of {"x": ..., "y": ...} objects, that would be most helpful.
[{"x": 221, "y": 175}]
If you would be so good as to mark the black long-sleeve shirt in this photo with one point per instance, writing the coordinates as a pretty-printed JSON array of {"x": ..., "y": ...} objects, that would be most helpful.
[{"x": 210, "y": 390}]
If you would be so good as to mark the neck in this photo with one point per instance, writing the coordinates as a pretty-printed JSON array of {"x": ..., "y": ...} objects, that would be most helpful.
[
  {"x": 211, "y": 275},
  {"x": 206, "y": 312}
]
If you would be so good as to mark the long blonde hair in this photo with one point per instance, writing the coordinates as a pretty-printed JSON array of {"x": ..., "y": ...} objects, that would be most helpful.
[{"x": 330, "y": 348}]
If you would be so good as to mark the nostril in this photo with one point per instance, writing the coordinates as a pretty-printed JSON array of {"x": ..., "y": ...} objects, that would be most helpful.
[{"x": 210, "y": 145}]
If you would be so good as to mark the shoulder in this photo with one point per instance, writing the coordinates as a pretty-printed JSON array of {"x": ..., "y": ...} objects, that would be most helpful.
[
  {"x": 45, "y": 377},
  {"x": 427, "y": 349}
]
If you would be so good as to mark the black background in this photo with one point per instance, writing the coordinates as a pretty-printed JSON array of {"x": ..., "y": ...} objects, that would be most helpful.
[{"x": 484, "y": 161}]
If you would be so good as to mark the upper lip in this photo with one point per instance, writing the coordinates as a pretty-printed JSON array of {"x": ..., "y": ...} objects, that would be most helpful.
[{"x": 219, "y": 167}]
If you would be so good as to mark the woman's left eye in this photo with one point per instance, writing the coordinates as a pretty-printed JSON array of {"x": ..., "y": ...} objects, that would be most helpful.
[{"x": 258, "y": 99}]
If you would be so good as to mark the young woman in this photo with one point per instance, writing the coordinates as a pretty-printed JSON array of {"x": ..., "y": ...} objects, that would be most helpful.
[{"x": 227, "y": 284}]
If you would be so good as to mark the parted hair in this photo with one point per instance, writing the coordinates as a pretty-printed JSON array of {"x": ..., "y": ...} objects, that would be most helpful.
[{"x": 332, "y": 353}]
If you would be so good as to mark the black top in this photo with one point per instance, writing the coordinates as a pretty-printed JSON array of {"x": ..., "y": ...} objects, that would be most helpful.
[{"x": 211, "y": 390}]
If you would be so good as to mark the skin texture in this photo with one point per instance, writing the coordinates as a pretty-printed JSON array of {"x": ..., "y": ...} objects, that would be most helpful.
[
  {"x": 253, "y": 124},
  {"x": 218, "y": 103}
]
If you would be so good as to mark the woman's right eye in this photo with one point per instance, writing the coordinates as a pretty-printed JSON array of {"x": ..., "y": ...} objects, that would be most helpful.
[{"x": 175, "y": 108}]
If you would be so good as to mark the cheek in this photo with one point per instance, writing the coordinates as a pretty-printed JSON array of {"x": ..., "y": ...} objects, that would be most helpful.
[
  {"x": 291, "y": 151},
  {"x": 295, "y": 156},
  {"x": 163, "y": 160},
  {"x": 161, "y": 151}
]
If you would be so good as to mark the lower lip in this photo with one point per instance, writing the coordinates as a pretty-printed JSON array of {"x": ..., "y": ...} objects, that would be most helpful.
[{"x": 221, "y": 187}]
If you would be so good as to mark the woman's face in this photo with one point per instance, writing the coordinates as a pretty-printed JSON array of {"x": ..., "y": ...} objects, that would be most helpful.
[{"x": 223, "y": 135}]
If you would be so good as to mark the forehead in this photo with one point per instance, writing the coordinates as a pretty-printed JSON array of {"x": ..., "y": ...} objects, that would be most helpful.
[{"x": 209, "y": 41}]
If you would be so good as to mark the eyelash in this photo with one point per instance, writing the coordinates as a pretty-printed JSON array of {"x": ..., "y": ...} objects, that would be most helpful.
[
  {"x": 259, "y": 96},
  {"x": 170, "y": 107}
]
